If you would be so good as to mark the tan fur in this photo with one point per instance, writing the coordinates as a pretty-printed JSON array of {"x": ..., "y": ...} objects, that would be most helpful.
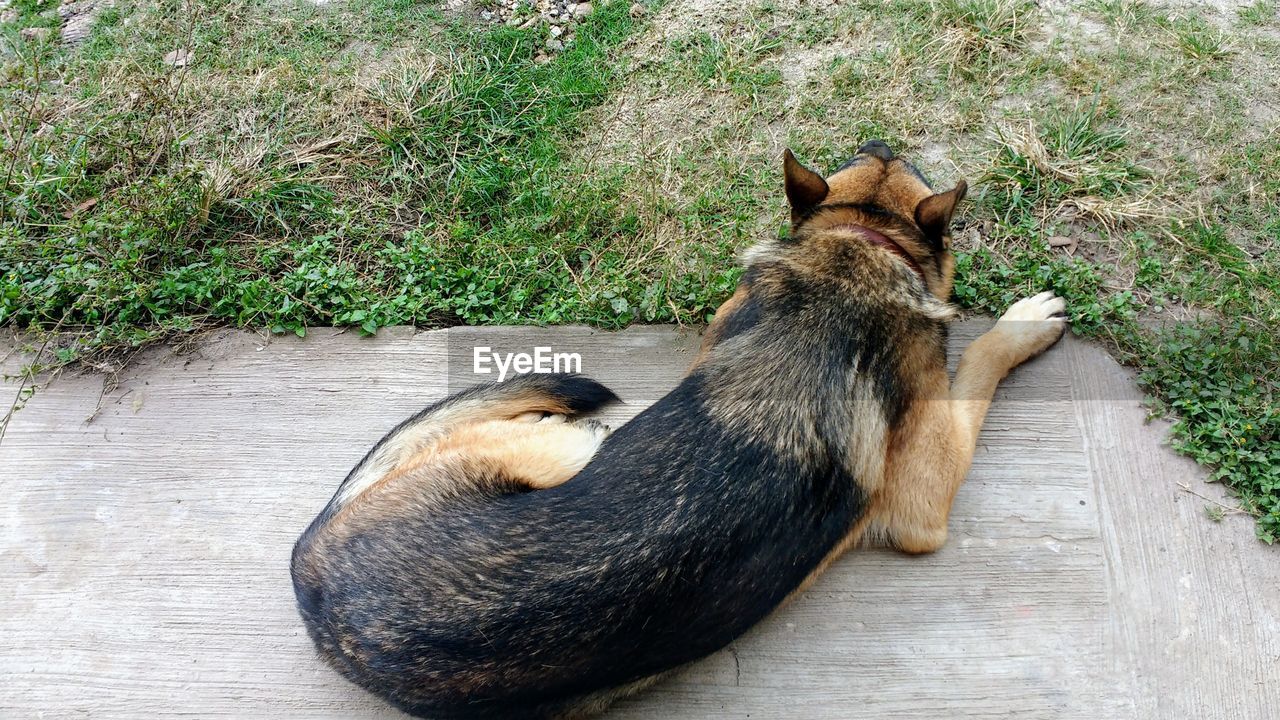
[
  {"x": 541, "y": 454},
  {"x": 712, "y": 334},
  {"x": 932, "y": 450},
  {"x": 912, "y": 480},
  {"x": 397, "y": 454},
  {"x": 929, "y": 454}
]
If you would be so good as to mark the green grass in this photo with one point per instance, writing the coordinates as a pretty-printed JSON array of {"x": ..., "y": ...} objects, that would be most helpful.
[
  {"x": 445, "y": 196},
  {"x": 383, "y": 163},
  {"x": 1198, "y": 39},
  {"x": 1259, "y": 13},
  {"x": 1071, "y": 158},
  {"x": 727, "y": 62},
  {"x": 1122, "y": 14},
  {"x": 994, "y": 24}
]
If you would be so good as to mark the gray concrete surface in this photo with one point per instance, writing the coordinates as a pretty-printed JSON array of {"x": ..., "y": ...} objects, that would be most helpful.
[{"x": 147, "y": 528}]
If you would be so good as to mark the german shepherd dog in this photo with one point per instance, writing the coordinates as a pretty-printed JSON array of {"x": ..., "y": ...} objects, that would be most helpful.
[{"x": 498, "y": 556}]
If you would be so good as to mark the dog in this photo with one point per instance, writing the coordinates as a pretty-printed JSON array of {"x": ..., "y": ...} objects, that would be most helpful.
[{"x": 499, "y": 556}]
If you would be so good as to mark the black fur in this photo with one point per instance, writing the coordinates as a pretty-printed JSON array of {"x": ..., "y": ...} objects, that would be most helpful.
[
  {"x": 726, "y": 559},
  {"x": 738, "y": 534}
]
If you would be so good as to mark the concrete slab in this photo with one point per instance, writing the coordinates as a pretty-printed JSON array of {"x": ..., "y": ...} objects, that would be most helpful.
[{"x": 147, "y": 528}]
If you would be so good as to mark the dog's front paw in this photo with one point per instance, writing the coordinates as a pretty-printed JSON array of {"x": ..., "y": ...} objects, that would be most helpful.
[{"x": 1032, "y": 325}]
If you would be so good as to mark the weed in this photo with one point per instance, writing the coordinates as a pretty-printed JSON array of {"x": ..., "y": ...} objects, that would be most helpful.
[
  {"x": 732, "y": 62},
  {"x": 1197, "y": 39},
  {"x": 1072, "y": 159},
  {"x": 989, "y": 26},
  {"x": 1259, "y": 13},
  {"x": 1227, "y": 416},
  {"x": 1123, "y": 14}
]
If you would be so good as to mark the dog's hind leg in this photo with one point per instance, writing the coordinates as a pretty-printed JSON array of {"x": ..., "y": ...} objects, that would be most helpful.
[
  {"x": 522, "y": 400},
  {"x": 931, "y": 450},
  {"x": 542, "y": 453}
]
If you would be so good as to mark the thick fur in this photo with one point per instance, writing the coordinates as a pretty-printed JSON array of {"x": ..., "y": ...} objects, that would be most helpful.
[{"x": 494, "y": 558}]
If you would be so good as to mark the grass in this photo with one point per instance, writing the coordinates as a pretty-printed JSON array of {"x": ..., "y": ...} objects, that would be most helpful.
[
  {"x": 1071, "y": 160},
  {"x": 1197, "y": 38},
  {"x": 1258, "y": 14},
  {"x": 434, "y": 191},
  {"x": 387, "y": 162}
]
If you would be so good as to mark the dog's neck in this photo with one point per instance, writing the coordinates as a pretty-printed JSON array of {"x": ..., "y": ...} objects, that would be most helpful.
[{"x": 877, "y": 238}]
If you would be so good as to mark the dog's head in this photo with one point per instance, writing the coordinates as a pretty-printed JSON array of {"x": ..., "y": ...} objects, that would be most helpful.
[{"x": 886, "y": 195}]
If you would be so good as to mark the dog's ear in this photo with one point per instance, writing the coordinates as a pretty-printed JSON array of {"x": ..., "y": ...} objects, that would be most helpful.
[
  {"x": 805, "y": 188},
  {"x": 934, "y": 213}
]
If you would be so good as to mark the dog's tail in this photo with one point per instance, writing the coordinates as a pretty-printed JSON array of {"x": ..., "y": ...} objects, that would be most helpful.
[{"x": 563, "y": 394}]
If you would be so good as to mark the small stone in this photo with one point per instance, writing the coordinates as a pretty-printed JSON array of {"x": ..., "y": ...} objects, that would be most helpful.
[
  {"x": 86, "y": 205},
  {"x": 78, "y": 7},
  {"x": 514, "y": 21},
  {"x": 35, "y": 33},
  {"x": 8, "y": 16},
  {"x": 637, "y": 10},
  {"x": 486, "y": 15},
  {"x": 178, "y": 58},
  {"x": 555, "y": 45},
  {"x": 78, "y": 18},
  {"x": 541, "y": 58},
  {"x": 529, "y": 23},
  {"x": 556, "y": 31},
  {"x": 583, "y": 10},
  {"x": 1060, "y": 241}
]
